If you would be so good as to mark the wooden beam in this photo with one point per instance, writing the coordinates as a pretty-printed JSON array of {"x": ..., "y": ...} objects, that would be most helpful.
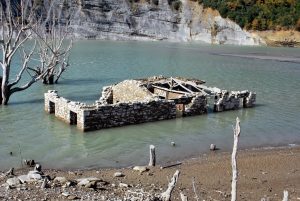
[
  {"x": 180, "y": 83},
  {"x": 169, "y": 90}
]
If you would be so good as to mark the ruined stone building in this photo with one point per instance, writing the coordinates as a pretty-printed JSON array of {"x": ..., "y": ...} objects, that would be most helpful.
[{"x": 146, "y": 100}]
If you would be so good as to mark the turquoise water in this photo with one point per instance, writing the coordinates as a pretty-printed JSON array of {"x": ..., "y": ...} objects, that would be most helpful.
[{"x": 26, "y": 128}]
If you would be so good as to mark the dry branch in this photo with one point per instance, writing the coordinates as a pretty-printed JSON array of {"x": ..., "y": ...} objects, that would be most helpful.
[{"x": 165, "y": 196}]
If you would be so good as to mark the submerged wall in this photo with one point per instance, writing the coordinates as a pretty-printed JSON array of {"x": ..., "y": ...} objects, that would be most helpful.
[{"x": 98, "y": 116}]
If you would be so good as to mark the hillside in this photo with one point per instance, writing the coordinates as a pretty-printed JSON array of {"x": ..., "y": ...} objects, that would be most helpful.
[{"x": 259, "y": 15}]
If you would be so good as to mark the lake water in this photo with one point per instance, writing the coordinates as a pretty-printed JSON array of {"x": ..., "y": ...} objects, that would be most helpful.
[{"x": 30, "y": 133}]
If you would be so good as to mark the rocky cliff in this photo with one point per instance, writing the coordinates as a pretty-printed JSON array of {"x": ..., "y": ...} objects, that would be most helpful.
[{"x": 154, "y": 20}]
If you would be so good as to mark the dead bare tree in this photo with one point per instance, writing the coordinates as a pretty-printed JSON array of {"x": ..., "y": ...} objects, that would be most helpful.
[
  {"x": 19, "y": 22},
  {"x": 16, "y": 22},
  {"x": 54, "y": 44}
]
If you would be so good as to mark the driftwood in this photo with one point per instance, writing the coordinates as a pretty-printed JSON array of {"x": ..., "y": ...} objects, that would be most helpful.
[
  {"x": 171, "y": 165},
  {"x": 183, "y": 197},
  {"x": 236, "y": 131},
  {"x": 10, "y": 172},
  {"x": 285, "y": 196},
  {"x": 194, "y": 189},
  {"x": 152, "y": 156},
  {"x": 165, "y": 196}
]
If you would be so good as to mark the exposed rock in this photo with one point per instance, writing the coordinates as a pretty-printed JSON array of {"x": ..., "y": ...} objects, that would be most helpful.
[
  {"x": 73, "y": 197},
  {"x": 213, "y": 147},
  {"x": 85, "y": 181},
  {"x": 29, "y": 162},
  {"x": 132, "y": 20},
  {"x": 119, "y": 174},
  {"x": 66, "y": 194},
  {"x": 13, "y": 181},
  {"x": 61, "y": 180},
  {"x": 25, "y": 179},
  {"x": 122, "y": 185},
  {"x": 34, "y": 175},
  {"x": 38, "y": 167},
  {"x": 45, "y": 183},
  {"x": 141, "y": 168},
  {"x": 91, "y": 184}
]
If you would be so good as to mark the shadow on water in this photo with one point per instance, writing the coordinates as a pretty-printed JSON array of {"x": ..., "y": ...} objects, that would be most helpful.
[
  {"x": 259, "y": 105},
  {"x": 39, "y": 100}
]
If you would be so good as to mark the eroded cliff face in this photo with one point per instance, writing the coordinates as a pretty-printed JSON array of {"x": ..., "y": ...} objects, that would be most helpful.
[{"x": 154, "y": 20}]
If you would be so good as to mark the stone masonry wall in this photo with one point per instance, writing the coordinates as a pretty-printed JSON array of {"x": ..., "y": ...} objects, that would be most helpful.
[
  {"x": 197, "y": 106},
  {"x": 98, "y": 116},
  {"x": 232, "y": 100},
  {"x": 107, "y": 116},
  {"x": 63, "y": 108}
]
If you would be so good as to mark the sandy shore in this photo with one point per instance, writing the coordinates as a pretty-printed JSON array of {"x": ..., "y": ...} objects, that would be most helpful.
[{"x": 262, "y": 174}]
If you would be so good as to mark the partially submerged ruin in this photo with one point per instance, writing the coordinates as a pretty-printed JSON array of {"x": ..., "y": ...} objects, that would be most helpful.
[{"x": 146, "y": 100}]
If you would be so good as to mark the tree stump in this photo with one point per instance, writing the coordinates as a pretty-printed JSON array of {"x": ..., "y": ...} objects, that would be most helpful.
[{"x": 152, "y": 156}]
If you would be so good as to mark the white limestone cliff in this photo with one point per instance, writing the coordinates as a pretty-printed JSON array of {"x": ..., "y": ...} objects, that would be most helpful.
[{"x": 124, "y": 20}]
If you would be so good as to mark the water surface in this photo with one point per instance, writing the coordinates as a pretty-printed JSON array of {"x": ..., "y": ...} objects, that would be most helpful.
[{"x": 25, "y": 128}]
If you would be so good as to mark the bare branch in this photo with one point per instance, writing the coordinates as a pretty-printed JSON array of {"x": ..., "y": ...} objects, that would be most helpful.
[
  {"x": 236, "y": 132},
  {"x": 26, "y": 58}
]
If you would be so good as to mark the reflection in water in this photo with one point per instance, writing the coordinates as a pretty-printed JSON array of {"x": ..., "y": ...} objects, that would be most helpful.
[{"x": 97, "y": 63}]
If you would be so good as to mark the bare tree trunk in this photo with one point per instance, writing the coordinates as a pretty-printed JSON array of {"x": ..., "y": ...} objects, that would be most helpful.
[
  {"x": 152, "y": 156},
  {"x": 51, "y": 79},
  {"x": 61, "y": 70},
  {"x": 1, "y": 90},
  {"x": 5, "y": 89},
  {"x": 236, "y": 131}
]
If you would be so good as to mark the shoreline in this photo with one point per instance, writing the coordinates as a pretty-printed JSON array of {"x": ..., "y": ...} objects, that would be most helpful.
[
  {"x": 193, "y": 156},
  {"x": 263, "y": 173}
]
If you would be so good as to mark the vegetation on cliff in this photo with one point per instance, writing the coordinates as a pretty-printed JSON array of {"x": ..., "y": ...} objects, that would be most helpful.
[{"x": 259, "y": 14}]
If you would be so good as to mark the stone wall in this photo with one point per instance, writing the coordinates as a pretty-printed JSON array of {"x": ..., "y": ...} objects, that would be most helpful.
[
  {"x": 106, "y": 95},
  {"x": 197, "y": 106},
  {"x": 249, "y": 100},
  {"x": 107, "y": 116},
  {"x": 63, "y": 108},
  {"x": 98, "y": 116},
  {"x": 234, "y": 100}
]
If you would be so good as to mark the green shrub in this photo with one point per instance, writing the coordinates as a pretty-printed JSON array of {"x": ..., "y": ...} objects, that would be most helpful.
[{"x": 258, "y": 14}]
